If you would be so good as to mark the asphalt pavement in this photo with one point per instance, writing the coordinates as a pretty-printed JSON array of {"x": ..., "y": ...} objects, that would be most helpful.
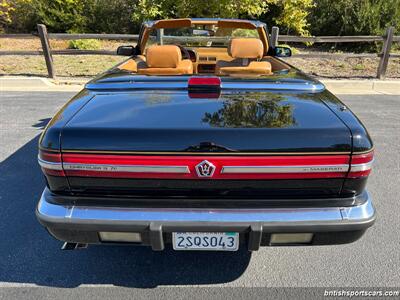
[{"x": 30, "y": 258}]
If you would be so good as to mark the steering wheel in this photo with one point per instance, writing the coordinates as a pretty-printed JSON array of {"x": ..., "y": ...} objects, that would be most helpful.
[{"x": 185, "y": 53}]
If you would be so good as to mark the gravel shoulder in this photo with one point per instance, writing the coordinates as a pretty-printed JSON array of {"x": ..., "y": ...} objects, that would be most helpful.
[{"x": 349, "y": 68}]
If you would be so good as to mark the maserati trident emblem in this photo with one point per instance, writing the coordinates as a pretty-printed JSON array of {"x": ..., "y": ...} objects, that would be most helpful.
[{"x": 205, "y": 169}]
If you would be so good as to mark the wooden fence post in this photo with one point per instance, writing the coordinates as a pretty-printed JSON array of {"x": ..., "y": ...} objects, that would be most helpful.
[
  {"x": 44, "y": 39},
  {"x": 274, "y": 36},
  {"x": 387, "y": 45}
]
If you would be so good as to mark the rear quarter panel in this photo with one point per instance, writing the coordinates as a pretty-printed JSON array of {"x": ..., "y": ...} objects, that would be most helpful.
[{"x": 50, "y": 138}]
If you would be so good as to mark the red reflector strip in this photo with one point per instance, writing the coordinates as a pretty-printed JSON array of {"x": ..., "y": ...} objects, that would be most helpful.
[
  {"x": 361, "y": 165},
  {"x": 362, "y": 158},
  {"x": 224, "y": 167},
  {"x": 51, "y": 163},
  {"x": 50, "y": 156}
]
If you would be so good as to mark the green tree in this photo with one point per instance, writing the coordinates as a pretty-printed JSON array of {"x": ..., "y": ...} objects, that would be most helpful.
[
  {"x": 122, "y": 16},
  {"x": 354, "y": 17},
  {"x": 292, "y": 13},
  {"x": 60, "y": 15},
  {"x": 155, "y": 9},
  {"x": 5, "y": 9},
  {"x": 111, "y": 16},
  {"x": 266, "y": 110},
  {"x": 293, "y": 16},
  {"x": 23, "y": 16}
]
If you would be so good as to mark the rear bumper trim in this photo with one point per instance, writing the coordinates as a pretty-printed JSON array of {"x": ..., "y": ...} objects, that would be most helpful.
[
  {"x": 156, "y": 221},
  {"x": 67, "y": 214}
]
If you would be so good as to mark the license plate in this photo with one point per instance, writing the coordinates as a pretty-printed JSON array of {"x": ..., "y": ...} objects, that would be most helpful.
[{"x": 220, "y": 241}]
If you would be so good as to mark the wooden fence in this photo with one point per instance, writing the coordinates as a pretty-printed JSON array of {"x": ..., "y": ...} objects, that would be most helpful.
[{"x": 388, "y": 39}]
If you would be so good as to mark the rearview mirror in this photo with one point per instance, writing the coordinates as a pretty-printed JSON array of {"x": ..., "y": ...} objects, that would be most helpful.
[
  {"x": 126, "y": 50},
  {"x": 283, "y": 51}
]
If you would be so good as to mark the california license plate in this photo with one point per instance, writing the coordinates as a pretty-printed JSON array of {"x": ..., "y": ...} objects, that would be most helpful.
[{"x": 220, "y": 241}]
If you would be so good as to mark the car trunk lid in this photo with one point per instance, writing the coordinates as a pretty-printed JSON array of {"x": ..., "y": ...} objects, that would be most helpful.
[
  {"x": 173, "y": 122},
  {"x": 257, "y": 144}
]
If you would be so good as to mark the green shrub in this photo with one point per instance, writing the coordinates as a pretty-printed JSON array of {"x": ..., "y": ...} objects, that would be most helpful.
[
  {"x": 111, "y": 16},
  {"x": 122, "y": 16},
  {"x": 291, "y": 14},
  {"x": 78, "y": 16},
  {"x": 359, "y": 67},
  {"x": 354, "y": 17},
  {"x": 60, "y": 15},
  {"x": 84, "y": 44},
  {"x": 23, "y": 17},
  {"x": 245, "y": 33},
  {"x": 5, "y": 9}
]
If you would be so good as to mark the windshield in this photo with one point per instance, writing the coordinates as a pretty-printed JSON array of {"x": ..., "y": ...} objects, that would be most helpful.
[{"x": 198, "y": 36}]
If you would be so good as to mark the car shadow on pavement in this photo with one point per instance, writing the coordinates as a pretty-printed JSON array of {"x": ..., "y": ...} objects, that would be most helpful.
[{"x": 29, "y": 255}]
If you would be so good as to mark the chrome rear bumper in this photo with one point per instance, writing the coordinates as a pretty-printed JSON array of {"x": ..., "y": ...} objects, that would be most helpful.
[{"x": 157, "y": 221}]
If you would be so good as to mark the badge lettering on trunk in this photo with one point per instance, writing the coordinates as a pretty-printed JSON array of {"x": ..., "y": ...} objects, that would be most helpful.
[{"x": 205, "y": 169}]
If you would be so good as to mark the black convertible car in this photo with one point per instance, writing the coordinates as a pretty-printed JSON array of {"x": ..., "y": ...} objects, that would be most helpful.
[{"x": 205, "y": 139}]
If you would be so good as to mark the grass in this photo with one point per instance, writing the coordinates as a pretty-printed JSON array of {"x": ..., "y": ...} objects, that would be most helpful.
[
  {"x": 347, "y": 68},
  {"x": 65, "y": 65},
  {"x": 34, "y": 44},
  {"x": 89, "y": 44},
  {"x": 91, "y": 65},
  {"x": 359, "y": 67}
]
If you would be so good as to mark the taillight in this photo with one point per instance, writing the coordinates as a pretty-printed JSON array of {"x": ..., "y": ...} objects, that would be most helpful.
[
  {"x": 361, "y": 165},
  {"x": 204, "y": 82},
  {"x": 206, "y": 167},
  {"x": 204, "y": 87},
  {"x": 51, "y": 163}
]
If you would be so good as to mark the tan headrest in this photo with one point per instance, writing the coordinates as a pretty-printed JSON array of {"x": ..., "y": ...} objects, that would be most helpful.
[
  {"x": 166, "y": 56},
  {"x": 246, "y": 48}
]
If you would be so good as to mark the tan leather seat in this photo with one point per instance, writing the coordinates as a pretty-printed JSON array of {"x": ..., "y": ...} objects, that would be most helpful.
[
  {"x": 131, "y": 65},
  {"x": 165, "y": 60},
  {"x": 247, "y": 54}
]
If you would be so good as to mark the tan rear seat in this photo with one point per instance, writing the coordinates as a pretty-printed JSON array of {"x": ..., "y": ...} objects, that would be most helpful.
[
  {"x": 247, "y": 53},
  {"x": 165, "y": 60}
]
